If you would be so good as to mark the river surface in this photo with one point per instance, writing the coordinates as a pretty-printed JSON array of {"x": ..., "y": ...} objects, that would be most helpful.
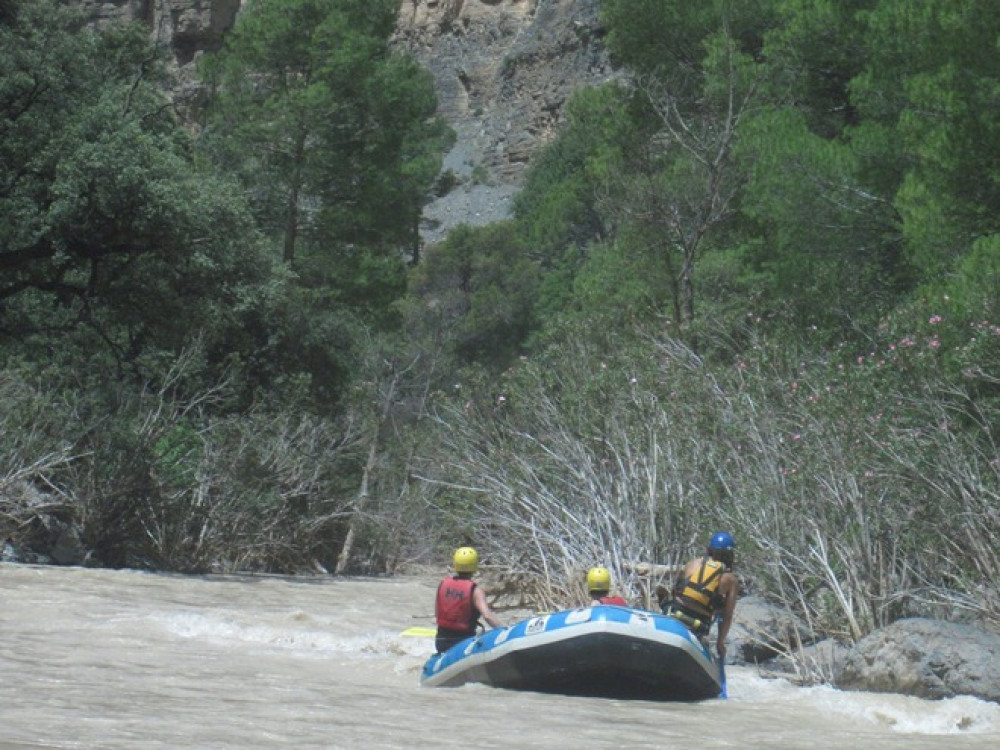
[{"x": 123, "y": 659}]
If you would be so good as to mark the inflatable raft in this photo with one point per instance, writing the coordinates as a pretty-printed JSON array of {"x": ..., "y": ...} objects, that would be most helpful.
[{"x": 604, "y": 651}]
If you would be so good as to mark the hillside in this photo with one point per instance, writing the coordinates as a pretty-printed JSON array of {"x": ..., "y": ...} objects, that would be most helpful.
[{"x": 504, "y": 70}]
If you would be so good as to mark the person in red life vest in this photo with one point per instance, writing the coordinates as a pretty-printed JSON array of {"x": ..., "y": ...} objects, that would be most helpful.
[
  {"x": 599, "y": 586},
  {"x": 706, "y": 591},
  {"x": 461, "y": 602}
]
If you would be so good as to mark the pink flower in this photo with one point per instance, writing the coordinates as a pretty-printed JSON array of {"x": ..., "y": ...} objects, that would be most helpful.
[
  {"x": 934, "y": 320},
  {"x": 934, "y": 343}
]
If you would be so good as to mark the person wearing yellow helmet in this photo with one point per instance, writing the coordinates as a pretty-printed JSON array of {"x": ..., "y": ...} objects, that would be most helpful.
[
  {"x": 599, "y": 588},
  {"x": 706, "y": 591},
  {"x": 461, "y": 602}
]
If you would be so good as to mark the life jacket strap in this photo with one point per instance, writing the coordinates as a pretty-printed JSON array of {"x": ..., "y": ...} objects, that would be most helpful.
[{"x": 697, "y": 625}]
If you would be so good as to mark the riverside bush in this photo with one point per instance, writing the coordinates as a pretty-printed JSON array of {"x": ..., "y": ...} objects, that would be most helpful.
[
  {"x": 150, "y": 477},
  {"x": 860, "y": 489}
]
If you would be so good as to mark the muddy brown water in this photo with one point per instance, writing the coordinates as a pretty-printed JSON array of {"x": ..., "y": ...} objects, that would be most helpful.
[{"x": 124, "y": 659}]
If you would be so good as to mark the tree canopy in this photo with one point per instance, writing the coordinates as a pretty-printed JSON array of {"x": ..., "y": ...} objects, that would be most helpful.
[{"x": 332, "y": 133}]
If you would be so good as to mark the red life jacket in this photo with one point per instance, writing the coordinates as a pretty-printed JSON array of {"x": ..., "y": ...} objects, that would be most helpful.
[
  {"x": 616, "y": 600},
  {"x": 454, "y": 608}
]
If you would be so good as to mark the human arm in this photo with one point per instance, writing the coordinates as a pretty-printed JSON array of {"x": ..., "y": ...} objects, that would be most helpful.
[
  {"x": 483, "y": 607},
  {"x": 729, "y": 587}
]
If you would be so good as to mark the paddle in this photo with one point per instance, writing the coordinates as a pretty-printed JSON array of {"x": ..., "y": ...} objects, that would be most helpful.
[
  {"x": 420, "y": 632},
  {"x": 722, "y": 664}
]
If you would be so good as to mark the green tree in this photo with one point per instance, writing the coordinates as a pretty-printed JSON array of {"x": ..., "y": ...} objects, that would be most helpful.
[
  {"x": 827, "y": 241},
  {"x": 665, "y": 38},
  {"x": 482, "y": 285},
  {"x": 812, "y": 57},
  {"x": 332, "y": 133},
  {"x": 928, "y": 94},
  {"x": 106, "y": 226},
  {"x": 560, "y": 209}
]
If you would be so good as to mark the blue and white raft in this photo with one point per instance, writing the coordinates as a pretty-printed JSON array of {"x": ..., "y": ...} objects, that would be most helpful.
[{"x": 601, "y": 651}]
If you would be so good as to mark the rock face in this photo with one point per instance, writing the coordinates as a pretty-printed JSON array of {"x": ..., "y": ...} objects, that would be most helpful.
[
  {"x": 762, "y": 631},
  {"x": 926, "y": 658},
  {"x": 504, "y": 70},
  {"x": 188, "y": 26}
]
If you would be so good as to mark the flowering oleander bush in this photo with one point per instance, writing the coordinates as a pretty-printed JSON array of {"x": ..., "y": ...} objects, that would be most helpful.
[{"x": 862, "y": 487}]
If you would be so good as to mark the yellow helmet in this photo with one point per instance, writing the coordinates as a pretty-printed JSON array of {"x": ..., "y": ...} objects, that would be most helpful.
[
  {"x": 466, "y": 560},
  {"x": 598, "y": 579}
]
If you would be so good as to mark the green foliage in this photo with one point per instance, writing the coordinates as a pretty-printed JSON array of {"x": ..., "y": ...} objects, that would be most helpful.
[
  {"x": 664, "y": 38},
  {"x": 977, "y": 278},
  {"x": 332, "y": 133},
  {"x": 483, "y": 285},
  {"x": 107, "y": 230},
  {"x": 812, "y": 57},
  {"x": 559, "y": 210},
  {"x": 828, "y": 236},
  {"x": 558, "y": 204},
  {"x": 932, "y": 78}
]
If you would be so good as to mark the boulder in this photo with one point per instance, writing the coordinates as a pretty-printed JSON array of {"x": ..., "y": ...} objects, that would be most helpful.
[
  {"x": 762, "y": 631},
  {"x": 925, "y": 658},
  {"x": 67, "y": 547},
  {"x": 814, "y": 664}
]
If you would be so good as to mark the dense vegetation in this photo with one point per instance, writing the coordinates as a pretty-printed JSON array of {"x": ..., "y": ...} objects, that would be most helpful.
[{"x": 754, "y": 288}]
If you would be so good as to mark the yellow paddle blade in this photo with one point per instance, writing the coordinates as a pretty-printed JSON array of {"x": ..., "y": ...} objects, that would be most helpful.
[{"x": 420, "y": 632}]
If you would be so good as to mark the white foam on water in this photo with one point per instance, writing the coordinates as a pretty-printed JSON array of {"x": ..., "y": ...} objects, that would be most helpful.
[
  {"x": 298, "y": 635},
  {"x": 901, "y": 713}
]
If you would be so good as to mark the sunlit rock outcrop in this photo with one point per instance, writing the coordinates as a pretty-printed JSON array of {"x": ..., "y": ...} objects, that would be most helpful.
[
  {"x": 504, "y": 70},
  {"x": 926, "y": 658}
]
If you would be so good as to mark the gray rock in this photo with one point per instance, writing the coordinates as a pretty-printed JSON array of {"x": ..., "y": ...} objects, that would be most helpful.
[
  {"x": 503, "y": 71},
  {"x": 925, "y": 658},
  {"x": 761, "y": 631},
  {"x": 68, "y": 549},
  {"x": 10, "y": 553},
  {"x": 815, "y": 664}
]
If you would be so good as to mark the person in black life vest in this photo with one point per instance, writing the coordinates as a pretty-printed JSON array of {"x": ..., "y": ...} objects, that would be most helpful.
[
  {"x": 461, "y": 602},
  {"x": 599, "y": 587},
  {"x": 706, "y": 591}
]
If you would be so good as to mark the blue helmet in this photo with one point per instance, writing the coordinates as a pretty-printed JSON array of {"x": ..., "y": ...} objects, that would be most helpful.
[{"x": 722, "y": 541}]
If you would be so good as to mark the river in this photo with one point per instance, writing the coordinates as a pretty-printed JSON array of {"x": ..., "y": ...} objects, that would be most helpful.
[{"x": 125, "y": 659}]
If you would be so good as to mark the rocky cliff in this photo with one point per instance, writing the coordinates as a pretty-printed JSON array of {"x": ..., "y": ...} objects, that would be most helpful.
[
  {"x": 504, "y": 71},
  {"x": 188, "y": 26}
]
